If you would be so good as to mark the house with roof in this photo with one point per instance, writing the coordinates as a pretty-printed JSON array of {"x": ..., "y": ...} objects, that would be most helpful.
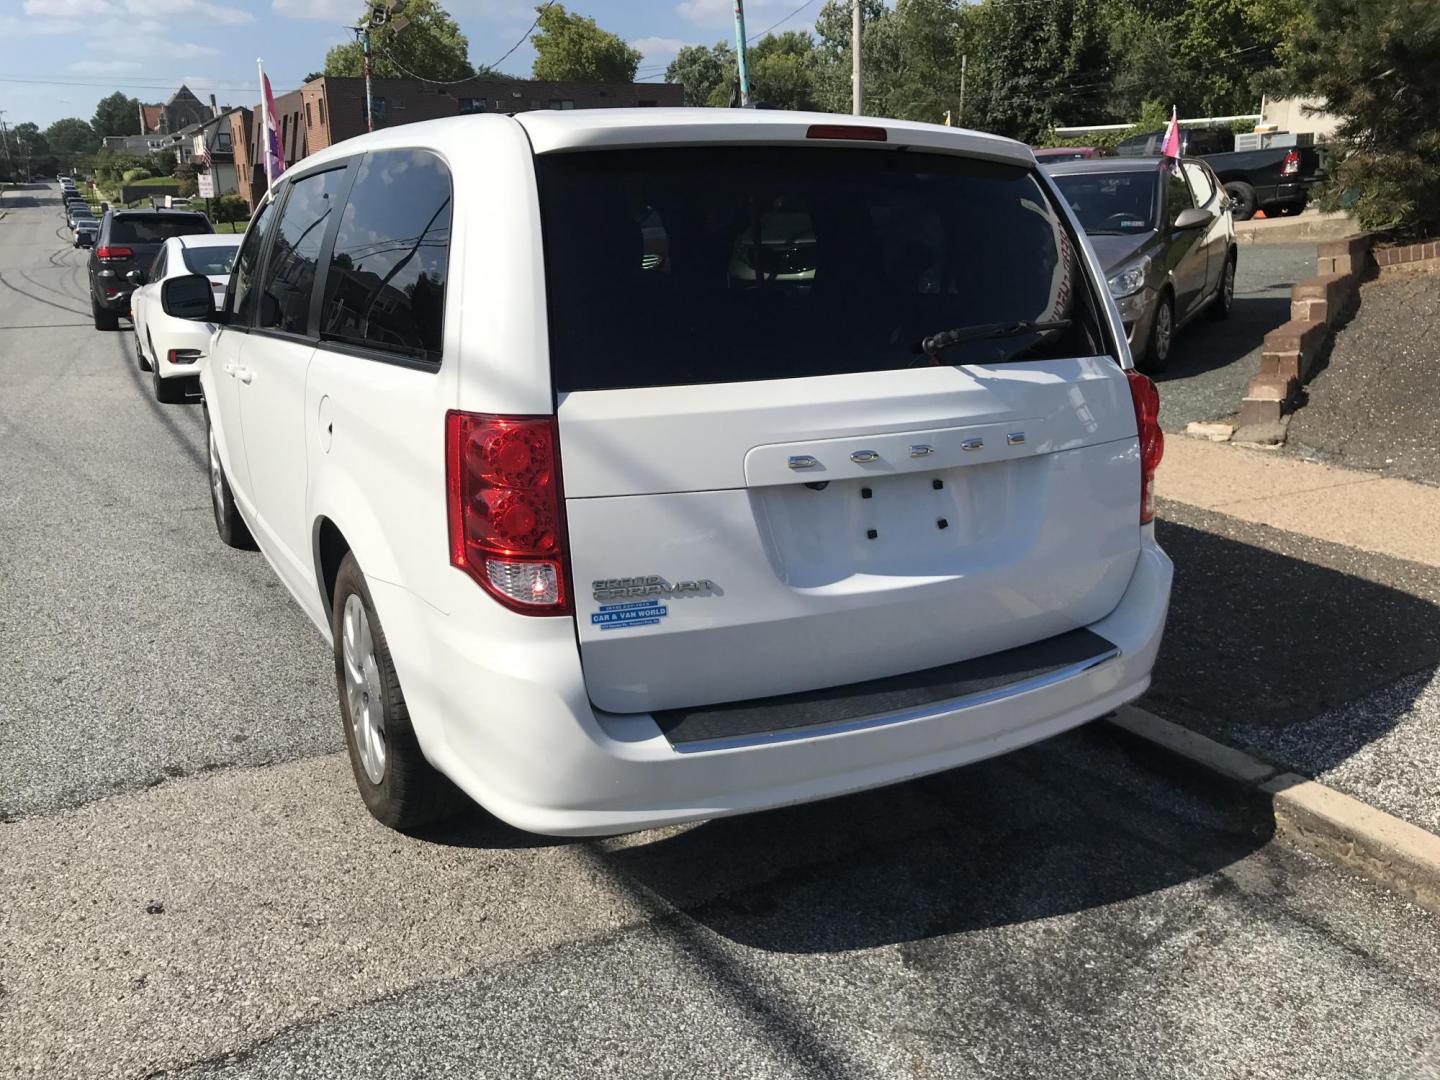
[{"x": 181, "y": 111}]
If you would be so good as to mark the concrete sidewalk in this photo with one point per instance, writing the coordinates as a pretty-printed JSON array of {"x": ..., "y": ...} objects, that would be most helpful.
[
  {"x": 1386, "y": 516},
  {"x": 1311, "y": 225}
]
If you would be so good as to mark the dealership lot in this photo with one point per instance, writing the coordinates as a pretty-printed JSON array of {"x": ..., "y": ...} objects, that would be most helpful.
[{"x": 191, "y": 885}]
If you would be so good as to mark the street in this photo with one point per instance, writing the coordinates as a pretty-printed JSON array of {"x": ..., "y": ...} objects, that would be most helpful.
[{"x": 192, "y": 887}]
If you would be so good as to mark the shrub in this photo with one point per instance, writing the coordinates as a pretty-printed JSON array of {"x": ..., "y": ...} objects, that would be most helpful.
[
  {"x": 131, "y": 175},
  {"x": 1376, "y": 64}
]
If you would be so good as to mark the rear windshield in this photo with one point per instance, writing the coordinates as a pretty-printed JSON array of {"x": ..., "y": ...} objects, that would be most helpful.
[
  {"x": 1111, "y": 202},
  {"x": 155, "y": 228},
  {"x": 738, "y": 264},
  {"x": 213, "y": 260}
]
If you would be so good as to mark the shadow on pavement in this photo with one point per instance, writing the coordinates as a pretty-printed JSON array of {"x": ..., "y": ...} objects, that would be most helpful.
[
  {"x": 1258, "y": 640},
  {"x": 1078, "y": 822},
  {"x": 1204, "y": 346},
  {"x": 1067, "y": 826}
]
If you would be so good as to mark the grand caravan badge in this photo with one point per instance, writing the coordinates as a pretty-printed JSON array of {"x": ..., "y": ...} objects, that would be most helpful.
[{"x": 629, "y": 588}]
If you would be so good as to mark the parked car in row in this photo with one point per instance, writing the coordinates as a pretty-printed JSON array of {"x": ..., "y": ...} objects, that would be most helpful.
[
  {"x": 167, "y": 347},
  {"x": 1165, "y": 237},
  {"x": 130, "y": 240},
  {"x": 1275, "y": 179},
  {"x": 798, "y": 454},
  {"x": 86, "y": 230}
]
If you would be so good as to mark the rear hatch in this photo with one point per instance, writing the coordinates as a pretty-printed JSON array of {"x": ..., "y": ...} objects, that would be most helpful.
[
  {"x": 773, "y": 482},
  {"x": 142, "y": 234}
]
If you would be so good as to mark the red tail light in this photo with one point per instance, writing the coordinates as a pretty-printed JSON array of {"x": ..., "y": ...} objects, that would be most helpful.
[
  {"x": 507, "y": 521},
  {"x": 1152, "y": 440},
  {"x": 183, "y": 356},
  {"x": 105, "y": 251},
  {"x": 1292, "y": 164}
]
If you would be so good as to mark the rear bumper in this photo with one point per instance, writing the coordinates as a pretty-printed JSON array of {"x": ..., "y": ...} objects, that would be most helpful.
[{"x": 511, "y": 724}]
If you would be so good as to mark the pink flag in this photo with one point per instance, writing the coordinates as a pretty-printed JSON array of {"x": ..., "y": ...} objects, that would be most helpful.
[
  {"x": 1171, "y": 147},
  {"x": 274, "y": 157}
]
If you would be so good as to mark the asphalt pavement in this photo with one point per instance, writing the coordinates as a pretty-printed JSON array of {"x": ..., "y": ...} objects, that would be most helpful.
[
  {"x": 1212, "y": 363},
  {"x": 191, "y": 887}
]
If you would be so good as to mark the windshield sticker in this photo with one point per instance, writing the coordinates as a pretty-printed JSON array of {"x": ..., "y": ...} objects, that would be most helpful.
[{"x": 629, "y": 616}]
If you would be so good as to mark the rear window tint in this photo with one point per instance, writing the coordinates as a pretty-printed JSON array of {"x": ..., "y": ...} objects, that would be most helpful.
[
  {"x": 736, "y": 264},
  {"x": 215, "y": 260},
  {"x": 156, "y": 228}
]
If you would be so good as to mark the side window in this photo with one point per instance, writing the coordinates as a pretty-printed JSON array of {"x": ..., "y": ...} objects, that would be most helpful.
[
  {"x": 1177, "y": 194},
  {"x": 157, "y": 268},
  {"x": 290, "y": 270},
  {"x": 1200, "y": 185},
  {"x": 386, "y": 286},
  {"x": 247, "y": 264}
]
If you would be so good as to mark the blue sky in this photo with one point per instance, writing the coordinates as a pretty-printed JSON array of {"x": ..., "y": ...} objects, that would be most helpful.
[{"x": 58, "y": 57}]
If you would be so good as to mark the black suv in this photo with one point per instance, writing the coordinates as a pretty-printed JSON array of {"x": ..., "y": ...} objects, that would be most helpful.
[{"x": 129, "y": 240}]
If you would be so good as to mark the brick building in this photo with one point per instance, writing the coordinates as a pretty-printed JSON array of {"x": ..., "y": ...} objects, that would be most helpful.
[{"x": 331, "y": 109}]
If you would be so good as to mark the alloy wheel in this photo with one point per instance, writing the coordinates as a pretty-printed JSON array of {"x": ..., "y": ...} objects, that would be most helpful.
[
  {"x": 1164, "y": 330},
  {"x": 364, "y": 694}
]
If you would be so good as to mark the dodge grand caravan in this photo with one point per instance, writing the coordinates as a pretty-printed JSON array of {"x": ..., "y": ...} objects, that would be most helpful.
[{"x": 647, "y": 466}]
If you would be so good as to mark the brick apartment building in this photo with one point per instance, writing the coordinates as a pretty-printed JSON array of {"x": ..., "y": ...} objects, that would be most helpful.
[{"x": 331, "y": 109}]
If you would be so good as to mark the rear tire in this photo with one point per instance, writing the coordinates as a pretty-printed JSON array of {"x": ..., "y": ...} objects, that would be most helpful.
[
  {"x": 228, "y": 522},
  {"x": 1242, "y": 198},
  {"x": 1161, "y": 338},
  {"x": 104, "y": 320},
  {"x": 400, "y": 788},
  {"x": 1219, "y": 308}
]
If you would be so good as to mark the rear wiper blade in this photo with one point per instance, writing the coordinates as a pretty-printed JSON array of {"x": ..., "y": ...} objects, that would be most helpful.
[{"x": 931, "y": 345}]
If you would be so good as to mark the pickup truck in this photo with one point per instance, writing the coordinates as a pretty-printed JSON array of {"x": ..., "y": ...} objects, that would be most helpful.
[{"x": 1276, "y": 180}]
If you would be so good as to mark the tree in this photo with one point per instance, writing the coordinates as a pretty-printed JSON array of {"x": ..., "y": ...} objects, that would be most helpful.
[
  {"x": 117, "y": 115},
  {"x": 1376, "y": 64},
  {"x": 429, "y": 46},
  {"x": 701, "y": 71},
  {"x": 573, "y": 47},
  {"x": 72, "y": 136},
  {"x": 782, "y": 71}
]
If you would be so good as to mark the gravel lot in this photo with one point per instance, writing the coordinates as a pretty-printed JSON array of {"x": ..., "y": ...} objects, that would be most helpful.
[
  {"x": 1376, "y": 404},
  {"x": 1212, "y": 363}
]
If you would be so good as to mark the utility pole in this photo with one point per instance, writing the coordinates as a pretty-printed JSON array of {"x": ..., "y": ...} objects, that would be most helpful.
[
  {"x": 5, "y": 141},
  {"x": 964, "y": 58},
  {"x": 369, "y": 101},
  {"x": 857, "y": 92},
  {"x": 742, "y": 67}
]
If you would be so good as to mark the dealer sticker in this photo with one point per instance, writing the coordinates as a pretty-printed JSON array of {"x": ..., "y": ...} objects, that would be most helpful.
[{"x": 628, "y": 616}]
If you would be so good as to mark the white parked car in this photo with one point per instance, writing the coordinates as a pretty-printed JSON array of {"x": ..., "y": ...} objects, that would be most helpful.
[
  {"x": 167, "y": 347},
  {"x": 644, "y": 466}
]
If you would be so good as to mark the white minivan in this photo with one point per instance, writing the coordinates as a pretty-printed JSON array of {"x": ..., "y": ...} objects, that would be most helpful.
[{"x": 652, "y": 465}]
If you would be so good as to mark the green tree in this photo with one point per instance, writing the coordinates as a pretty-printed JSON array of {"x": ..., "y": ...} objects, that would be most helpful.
[
  {"x": 117, "y": 115},
  {"x": 428, "y": 46},
  {"x": 702, "y": 70},
  {"x": 72, "y": 136},
  {"x": 782, "y": 71},
  {"x": 1376, "y": 63},
  {"x": 573, "y": 47}
]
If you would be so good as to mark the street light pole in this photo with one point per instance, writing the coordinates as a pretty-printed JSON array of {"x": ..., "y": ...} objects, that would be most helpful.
[
  {"x": 742, "y": 68},
  {"x": 857, "y": 92}
]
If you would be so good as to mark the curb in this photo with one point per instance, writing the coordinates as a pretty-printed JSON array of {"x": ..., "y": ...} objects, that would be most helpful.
[{"x": 1308, "y": 815}]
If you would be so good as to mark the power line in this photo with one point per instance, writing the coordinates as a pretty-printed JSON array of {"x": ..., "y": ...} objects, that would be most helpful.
[
  {"x": 786, "y": 19},
  {"x": 526, "y": 36}
]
